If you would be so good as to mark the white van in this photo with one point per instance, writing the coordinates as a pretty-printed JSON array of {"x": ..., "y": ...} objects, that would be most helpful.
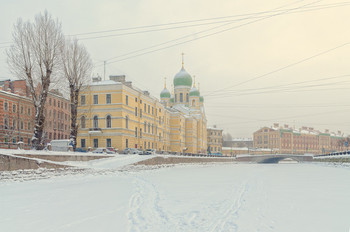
[{"x": 60, "y": 145}]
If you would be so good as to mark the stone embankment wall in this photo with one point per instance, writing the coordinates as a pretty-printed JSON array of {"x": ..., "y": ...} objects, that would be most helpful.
[
  {"x": 182, "y": 160},
  {"x": 62, "y": 158},
  {"x": 10, "y": 163},
  {"x": 27, "y": 161}
]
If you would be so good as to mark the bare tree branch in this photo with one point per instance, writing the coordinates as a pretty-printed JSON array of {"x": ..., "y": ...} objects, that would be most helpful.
[
  {"x": 77, "y": 66},
  {"x": 35, "y": 57}
]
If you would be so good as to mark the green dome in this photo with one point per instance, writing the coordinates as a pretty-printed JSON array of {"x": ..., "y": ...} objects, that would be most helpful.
[
  {"x": 194, "y": 92},
  {"x": 201, "y": 99},
  {"x": 165, "y": 93},
  {"x": 182, "y": 78}
]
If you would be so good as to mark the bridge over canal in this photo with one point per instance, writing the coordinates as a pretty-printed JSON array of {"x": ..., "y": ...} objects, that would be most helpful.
[{"x": 273, "y": 158}]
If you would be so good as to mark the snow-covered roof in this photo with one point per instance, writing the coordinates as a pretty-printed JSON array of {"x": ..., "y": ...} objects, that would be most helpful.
[{"x": 106, "y": 82}]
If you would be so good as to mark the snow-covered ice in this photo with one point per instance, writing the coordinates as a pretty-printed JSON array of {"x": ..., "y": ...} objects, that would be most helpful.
[{"x": 192, "y": 197}]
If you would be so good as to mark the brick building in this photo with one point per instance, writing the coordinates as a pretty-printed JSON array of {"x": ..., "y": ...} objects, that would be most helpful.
[
  {"x": 16, "y": 114},
  {"x": 57, "y": 113},
  {"x": 298, "y": 141}
]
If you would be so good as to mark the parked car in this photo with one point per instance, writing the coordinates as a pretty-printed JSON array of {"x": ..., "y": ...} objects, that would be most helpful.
[
  {"x": 102, "y": 150},
  {"x": 112, "y": 149},
  {"x": 149, "y": 152}
]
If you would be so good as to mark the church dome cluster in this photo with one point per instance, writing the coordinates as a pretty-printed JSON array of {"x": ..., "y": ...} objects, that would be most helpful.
[{"x": 182, "y": 82}]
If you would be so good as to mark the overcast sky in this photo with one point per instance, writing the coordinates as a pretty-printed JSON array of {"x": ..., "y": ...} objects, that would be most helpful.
[{"x": 289, "y": 65}]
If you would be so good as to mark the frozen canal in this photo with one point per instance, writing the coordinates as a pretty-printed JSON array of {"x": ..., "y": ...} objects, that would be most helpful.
[{"x": 222, "y": 197}]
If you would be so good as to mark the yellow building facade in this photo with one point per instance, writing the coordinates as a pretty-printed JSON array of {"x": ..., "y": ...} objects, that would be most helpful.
[{"x": 114, "y": 113}]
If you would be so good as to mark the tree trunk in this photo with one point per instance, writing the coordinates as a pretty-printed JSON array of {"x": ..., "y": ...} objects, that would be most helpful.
[
  {"x": 37, "y": 140},
  {"x": 74, "y": 94}
]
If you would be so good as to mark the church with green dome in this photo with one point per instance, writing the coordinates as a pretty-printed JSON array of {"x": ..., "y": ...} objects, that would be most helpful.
[{"x": 187, "y": 119}]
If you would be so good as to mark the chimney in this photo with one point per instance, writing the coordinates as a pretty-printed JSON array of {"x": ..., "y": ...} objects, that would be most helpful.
[
  {"x": 117, "y": 78},
  {"x": 326, "y": 131},
  {"x": 276, "y": 125},
  {"x": 304, "y": 128},
  {"x": 128, "y": 83},
  {"x": 96, "y": 79},
  {"x": 286, "y": 126},
  {"x": 214, "y": 126},
  {"x": 311, "y": 128}
]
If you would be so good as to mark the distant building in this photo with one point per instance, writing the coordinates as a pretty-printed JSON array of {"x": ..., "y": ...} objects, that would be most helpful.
[
  {"x": 239, "y": 142},
  {"x": 215, "y": 139},
  {"x": 16, "y": 114},
  {"x": 298, "y": 141},
  {"x": 57, "y": 117}
]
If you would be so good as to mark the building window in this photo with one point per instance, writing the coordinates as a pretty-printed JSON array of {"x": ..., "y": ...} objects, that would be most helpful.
[
  {"x": 160, "y": 120},
  {"x": 175, "y": 97},
  {"x": 140, "y": 113},
  {"x": 58, "y": 104},
  {"x": 152, "y": 110},
  {"x": 145, "y": 108},
  {"x": 149, "y": 109},
  {"x": 181, "y": 97},
  {"x": 187, "y": 97},
  {"x": 149, "y": 128},
  {"x": 95, "y": 143},
  {"x": 14, "y": 123},
  {"x": 108, "y": 121},
  {"x": 135, "y": 99},
  {"x": 54, "y": 102},
  {"x": 6, "y": 106},
  {"x": 136, "y": 132},
  {"x": 28, "y": 111},
  {"x": 21, "y": 109},
  {"x": 145, "y": 129},
  {"x": 127, "y": 143},
  {"x": 109, "y": 142},
  {"x": 22, "y": 125},
  {"x": 127, "y": 100},
  {"x": 82, "y": 122},
  {"x": 6, "y": 123},
  {"x": 50, "y": 101},
  {"x": 95, "y": 121},
  {"x": 82, "y": 142},
  {"x": 126, "y": 122},
  {"x": 108, "y": 98},
  {"x": 140, "y": 132},
  {"x": 13, "y": 108},
  {"x": 29, "y": 126},
  {"x": 136, "y": 111},
  {"x": 95, "y": 99},
  {"x": 82, "y": 100}
]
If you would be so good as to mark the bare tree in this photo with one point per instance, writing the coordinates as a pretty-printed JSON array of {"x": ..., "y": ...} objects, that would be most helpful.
[
  {"x": 77, "y": 66},
  {"x": 34, "y": 57}
]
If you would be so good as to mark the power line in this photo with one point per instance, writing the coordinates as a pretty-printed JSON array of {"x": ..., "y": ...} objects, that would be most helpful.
[
  {"x": 282, "y": 68},
  {"x": 211, "y": 34}
]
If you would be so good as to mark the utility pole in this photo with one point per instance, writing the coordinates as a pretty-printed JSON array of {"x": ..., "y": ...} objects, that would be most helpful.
[{"x": 104, "y": 72}]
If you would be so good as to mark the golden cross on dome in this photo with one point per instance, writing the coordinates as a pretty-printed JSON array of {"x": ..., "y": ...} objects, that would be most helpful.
[
  {"x": 194, "y": 82},
  {"x": 164, "y": 82},
  {"x": 183, "y": 54}
]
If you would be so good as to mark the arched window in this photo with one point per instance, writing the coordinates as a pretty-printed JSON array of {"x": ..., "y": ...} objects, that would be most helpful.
[
  {"x": 82, "y": 122},
  {"x": 193, "y": 102},
  {"x": 181, "y": 97},
  {"x": 108, "y": 121},
  {"x": 149, "y": 128},
  {"x": 126, "y": 122},
  {"x": 95, "y": 121},
  {"x": 186, "y": 97},
  {"x": 14, "y": 124},
  {"x": 6, "y": 123}
]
